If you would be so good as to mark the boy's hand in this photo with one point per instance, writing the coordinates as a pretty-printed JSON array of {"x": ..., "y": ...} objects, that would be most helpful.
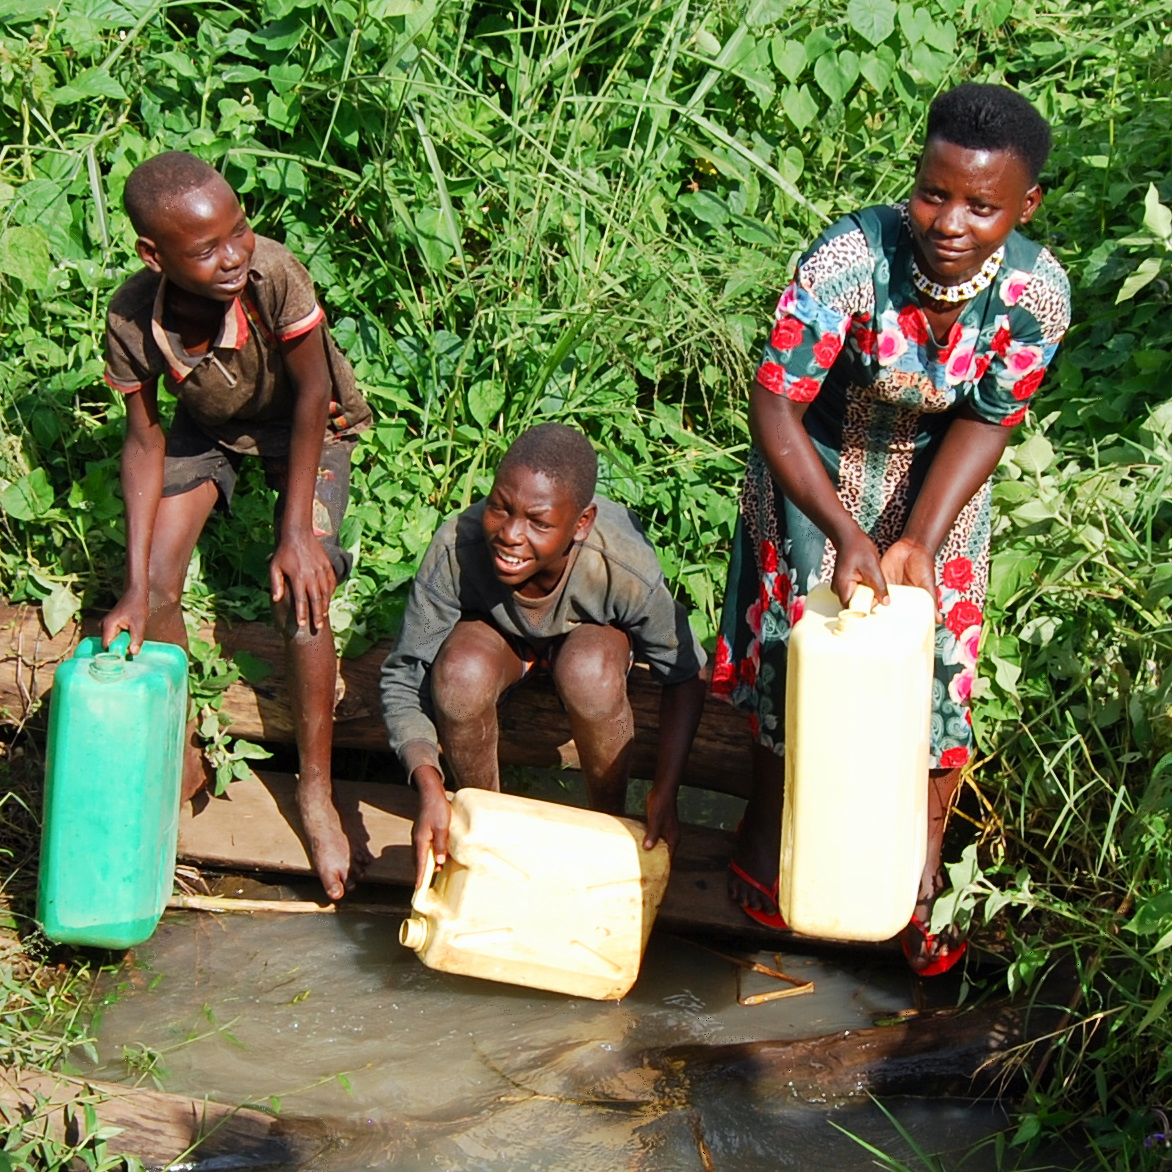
[
  {"x": 430, "y": 832},
  {"x": 130, "y": 614},
  {"x": 302, "y": 563},
  {"x": 663, "y": 820}
]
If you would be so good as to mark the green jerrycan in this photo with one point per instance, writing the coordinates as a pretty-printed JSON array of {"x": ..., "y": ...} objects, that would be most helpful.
[{"x": 113, "y": 771}]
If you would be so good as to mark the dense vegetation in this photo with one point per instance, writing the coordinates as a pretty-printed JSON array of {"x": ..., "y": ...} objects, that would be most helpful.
[{"x": 584, "y": 211}]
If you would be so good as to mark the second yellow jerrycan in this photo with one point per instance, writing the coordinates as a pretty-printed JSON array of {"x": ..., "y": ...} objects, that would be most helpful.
[
  {"x": 857, "y": 721},
  {"x": 538, "y": 894}
]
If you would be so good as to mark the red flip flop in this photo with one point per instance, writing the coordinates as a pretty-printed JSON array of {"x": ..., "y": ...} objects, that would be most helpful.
[
  {"x": 766, "y": 919},
  {"x": 945, "y": 957}
]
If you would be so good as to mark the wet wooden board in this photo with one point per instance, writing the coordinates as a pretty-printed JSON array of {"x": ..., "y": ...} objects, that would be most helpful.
[{"x": 255, "y": 827}]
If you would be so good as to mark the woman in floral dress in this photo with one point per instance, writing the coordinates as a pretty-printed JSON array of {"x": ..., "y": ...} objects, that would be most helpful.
[{"x": 903, "y": 354}]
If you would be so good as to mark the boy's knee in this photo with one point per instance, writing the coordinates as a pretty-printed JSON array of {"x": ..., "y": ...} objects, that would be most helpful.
[
  {"x": 592, "y": 682},
  {"x": 464, "y": 684}
]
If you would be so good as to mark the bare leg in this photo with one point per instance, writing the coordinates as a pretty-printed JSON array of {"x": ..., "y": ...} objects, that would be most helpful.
[
  {"x": 313, "y": 668},
  {"x": 758, "y": 847},
  {"x": 178, "y": 524},
  {"x": 473, "y": 669},
  {"x": 590, "y": 672}
]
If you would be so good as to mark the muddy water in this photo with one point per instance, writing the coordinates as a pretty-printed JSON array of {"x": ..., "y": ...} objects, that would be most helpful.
[{"x": 330, "y": 1016}]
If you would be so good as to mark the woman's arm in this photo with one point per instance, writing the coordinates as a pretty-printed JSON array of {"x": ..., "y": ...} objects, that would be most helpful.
[
  {"x": 966, "y": 458},
  {"x": 775, "y": 423}
]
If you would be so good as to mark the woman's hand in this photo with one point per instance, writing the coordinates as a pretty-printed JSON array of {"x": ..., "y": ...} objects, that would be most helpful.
[
  {"x": 857, "y": 563},
  {"x": 910, "y": 563}
]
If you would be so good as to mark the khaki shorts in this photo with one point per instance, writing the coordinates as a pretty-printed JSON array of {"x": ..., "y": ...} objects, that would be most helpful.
[{"x": 193, "y": 457}]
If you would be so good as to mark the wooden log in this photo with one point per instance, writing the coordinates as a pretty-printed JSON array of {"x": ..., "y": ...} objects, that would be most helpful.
[
  {"x": 159, "y": 1128},
  {"x": 534, "y": 729},
  {"x": 255, "y": 827}
]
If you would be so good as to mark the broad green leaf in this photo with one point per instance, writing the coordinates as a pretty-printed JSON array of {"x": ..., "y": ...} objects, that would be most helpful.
[
  {"x": 281, "y": 34},
  {"x": 706, "y": 206},
  {"x": 706, "y": 42},
  {"x": 19, "y": 11},
  {"x": 59, "y": 607},
  {"x": 385, "y": 9},
  {"x": 799, "y": 106},
  {"x": 1157, "y": 217},
  {"x": 878, "y": 68},
  {"x": 24, "y": 254},
  {"x": 914, "y": 23},
  {"x": 835, "y": 73},
  {"x": 252, "y": 667},
  {"x": 485, "y": 400},
  {"x": 91, "y": 83},
  {"x": 789, "y": 57},
  {"x": 872, "y": 19},
  {"x": 28, "y": 498},
  {"x": 1144, "y": 275},
  {"x": 1035, "y": 455}
]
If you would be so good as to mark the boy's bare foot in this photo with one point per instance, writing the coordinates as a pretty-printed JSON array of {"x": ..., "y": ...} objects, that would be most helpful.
[{"x": 338, "y": 863}]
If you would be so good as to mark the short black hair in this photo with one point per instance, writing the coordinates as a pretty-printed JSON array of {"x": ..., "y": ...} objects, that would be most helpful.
[
  {"x": 152, "y": 185},
  {"x": 991, "y": 118},
  {"x": 562, "y": 453}
]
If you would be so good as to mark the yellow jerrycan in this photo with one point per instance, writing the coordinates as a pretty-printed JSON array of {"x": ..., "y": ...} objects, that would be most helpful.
[
  {"x": 538, "y": 894},
  {"x": 857, "y": 720}
]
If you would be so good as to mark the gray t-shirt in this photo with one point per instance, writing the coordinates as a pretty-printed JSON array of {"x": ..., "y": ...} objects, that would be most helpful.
[{"x": 613, "y": 579}]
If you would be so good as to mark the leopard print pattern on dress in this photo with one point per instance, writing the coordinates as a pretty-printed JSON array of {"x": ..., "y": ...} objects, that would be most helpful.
[
  {"x": 840, "y": 274},
  {"x": 758, "y": 505},
  {"x": 1047, "y": 298},
  {"x": 907, "y": 388},
  {"x": 890, "y": 510}
]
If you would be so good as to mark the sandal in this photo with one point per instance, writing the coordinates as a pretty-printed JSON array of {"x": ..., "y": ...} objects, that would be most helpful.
[
  {"x": 766, "y": 919},
  {"x": 942, "y": 948}
]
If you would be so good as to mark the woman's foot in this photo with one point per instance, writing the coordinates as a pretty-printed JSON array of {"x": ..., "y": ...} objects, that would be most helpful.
[
  {"x": 756, "y": 857},
  {"x": 930, "y": 954}
]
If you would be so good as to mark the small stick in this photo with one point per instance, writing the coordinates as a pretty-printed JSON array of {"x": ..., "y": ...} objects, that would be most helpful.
[
  {"x": 752, "y": 966},
  {"x": 775, "y": 995},
  {"x": 216, "y": 903}
]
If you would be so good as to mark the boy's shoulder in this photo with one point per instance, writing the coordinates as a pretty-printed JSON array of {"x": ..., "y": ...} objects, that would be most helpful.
[
  {"x": 618, "y": 538},
  {"x": 271, "y": 258},
  {"x": 134, "y": 300}
]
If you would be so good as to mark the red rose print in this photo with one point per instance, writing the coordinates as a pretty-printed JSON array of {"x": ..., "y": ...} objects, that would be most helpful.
[
  {"x": 912, "y": 324},
  {"x": 954, "y": 336},
  {"x": 862, "y": 317},
  {"x": 754, "y": 726},
  {"x": 803, "y": 390},
  {"x": 787, "y": 333},
  {"x": 957, "y": 574},
  {"x": 826, "y": 350},
  {"x": 748, "y": 673},
  {"x": 1014, "y": 419},
  {"x": 954, "y": 758},
  {"x": 1024, "y": 387},
  {"x": 1000, "y": 341},
  {"x": 980, "y": 366},
  {"x": 772, "y": 377},
  {"x": 724, "y": 675},
  {"x": 767, "y": 557},
  {"x": 781, "y": 589},
  {"x": 962, "y": 616},
  {"x": 866, "y": 339}
]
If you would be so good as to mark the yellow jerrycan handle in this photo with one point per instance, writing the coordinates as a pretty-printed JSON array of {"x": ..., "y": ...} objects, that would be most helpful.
[
  {"x": 861, "y": 603},
  {"x": 413, "y": 930}
]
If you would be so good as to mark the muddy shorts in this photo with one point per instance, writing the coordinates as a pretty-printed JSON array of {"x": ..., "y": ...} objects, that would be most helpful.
[
  {"x": 537, "y": 663},
  {"x": 194, "y": 457}
]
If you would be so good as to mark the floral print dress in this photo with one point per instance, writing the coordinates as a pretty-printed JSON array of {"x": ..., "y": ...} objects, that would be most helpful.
[{"x": 851, "y": 340}]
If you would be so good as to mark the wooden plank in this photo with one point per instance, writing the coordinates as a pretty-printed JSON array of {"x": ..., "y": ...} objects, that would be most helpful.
[
  {"x": 255, "y": 827},
  {"x": 534, "y": 729}
]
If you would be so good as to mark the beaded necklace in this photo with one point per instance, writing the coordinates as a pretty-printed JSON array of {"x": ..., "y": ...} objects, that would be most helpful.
[{"x": 966, "y": 290}]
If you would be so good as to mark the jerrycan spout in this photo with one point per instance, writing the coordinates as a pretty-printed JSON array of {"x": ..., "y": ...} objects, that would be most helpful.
[{"x": 413, "y": 933}]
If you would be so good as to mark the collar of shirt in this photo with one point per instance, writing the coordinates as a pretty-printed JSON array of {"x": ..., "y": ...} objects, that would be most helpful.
[{"x": 232, "y": 336}]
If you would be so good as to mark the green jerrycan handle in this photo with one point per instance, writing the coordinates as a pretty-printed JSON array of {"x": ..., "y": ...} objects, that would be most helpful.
[{"x": 120, "y": 645}]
